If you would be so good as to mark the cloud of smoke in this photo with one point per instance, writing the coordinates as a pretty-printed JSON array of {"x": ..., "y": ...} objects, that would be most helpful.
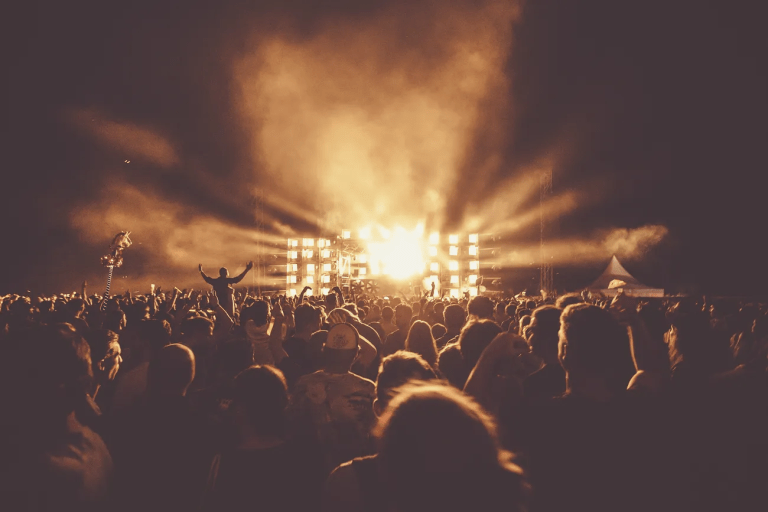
[
  {"x": 624, "y": 243},
  {"x": 127, "y": 137},
  {"x": 172, "y": 236},
  {"x": 369, "y": 121}
]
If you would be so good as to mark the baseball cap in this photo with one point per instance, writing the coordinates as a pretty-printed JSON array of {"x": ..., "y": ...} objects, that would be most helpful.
[{"x": 342, "y": 337}]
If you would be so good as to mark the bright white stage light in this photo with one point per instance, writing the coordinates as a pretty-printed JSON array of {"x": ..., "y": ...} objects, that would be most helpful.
[{"x": 401, "y": 256}]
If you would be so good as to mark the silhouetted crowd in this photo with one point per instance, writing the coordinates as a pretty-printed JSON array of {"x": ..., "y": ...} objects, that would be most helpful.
[{"x": 224, "y": 400}]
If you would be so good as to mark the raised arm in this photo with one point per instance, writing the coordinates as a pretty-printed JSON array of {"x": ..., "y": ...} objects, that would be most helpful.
[
  {"x": 241, "y": 275},
  {"x": 207, "y": 279},
  {"x": 224, "y": 322}
]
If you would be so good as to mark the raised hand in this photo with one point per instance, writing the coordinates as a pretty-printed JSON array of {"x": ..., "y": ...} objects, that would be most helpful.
[{"x": 200, "y": 267}]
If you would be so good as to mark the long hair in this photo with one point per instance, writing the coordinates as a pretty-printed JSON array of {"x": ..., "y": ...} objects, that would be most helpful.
[
  {"x": 439, "y": 450},
  {"x": 420, "y": 341}
]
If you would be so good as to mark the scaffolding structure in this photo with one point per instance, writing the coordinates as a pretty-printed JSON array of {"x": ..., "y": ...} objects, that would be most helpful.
[
  {"x": 258, "y": 276},
  {"x": 546, "y": 280}
]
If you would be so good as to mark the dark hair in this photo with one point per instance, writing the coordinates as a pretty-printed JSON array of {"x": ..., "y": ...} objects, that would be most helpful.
[
  {"x": 172, "y": 370},
  {"x": 387, "y": 313},
  {"x": 455, "y": 317},
  {"x": 480, "y": 306},
  {"x": 420, "y": 341},
  {"x": 547, "y": 327},
  {"x": 155, "y": 333},
  {"x": 397, "y": 369},
  {"x": 262, "y": 393},
  {"x": 305, "y": 315},
  {"x": 403, "y": 310},
  {"x": 596, "y": 342},
  {"x": 438, "y": 331},
  {"x": 54, "y": 368},
  {"x": 568, "y": 299},
  {"x": 197, "y": 325},
  {"x": 258, "y": 312},
  {"x": 223, "y": 272},
  {"x": 474, "y": 338},
  {"x": 439, "y": 450}
]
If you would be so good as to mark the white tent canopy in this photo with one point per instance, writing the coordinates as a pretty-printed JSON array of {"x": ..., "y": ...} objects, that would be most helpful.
[{"x": 615, "y": 277}]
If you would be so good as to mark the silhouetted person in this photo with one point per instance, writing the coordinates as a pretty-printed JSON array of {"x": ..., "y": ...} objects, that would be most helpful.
[
  {"x": 438, "y": 450},
  {"x": 222, "y": 285},
  {"x": 396, "y": 340},
  {"x": 162, "y": 446},
  {"x": 420, "y": 341},
  {"x": 542, "y": 336},
  {"x": 358, "y": 484},
  {"x": 335, "y": 404},
  {"x": 262, "y": 469},
  {"x": 49, "y": 460}
]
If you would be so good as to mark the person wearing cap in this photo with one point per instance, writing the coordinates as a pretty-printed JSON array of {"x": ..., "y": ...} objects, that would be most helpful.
[{"x": 334, "y": 404}]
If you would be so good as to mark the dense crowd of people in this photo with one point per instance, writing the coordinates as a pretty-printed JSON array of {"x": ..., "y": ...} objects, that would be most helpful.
[{"x": 224, "y": 400}]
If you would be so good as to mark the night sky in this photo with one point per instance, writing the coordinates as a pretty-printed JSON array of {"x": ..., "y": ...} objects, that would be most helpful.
[{"x": 654, "y": 112}]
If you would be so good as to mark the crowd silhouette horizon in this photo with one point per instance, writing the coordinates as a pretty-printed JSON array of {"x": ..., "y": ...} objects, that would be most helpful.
[{"x": 225, "y": 400}]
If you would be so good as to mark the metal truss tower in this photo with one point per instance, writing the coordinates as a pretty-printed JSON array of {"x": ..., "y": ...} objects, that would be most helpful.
[
  {"x": 546, "y": 282},
  {"x": 259, "y": 272}
]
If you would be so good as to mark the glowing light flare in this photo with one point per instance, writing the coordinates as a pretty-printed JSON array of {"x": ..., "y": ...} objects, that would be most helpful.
[{"x": 401, "y": 256}]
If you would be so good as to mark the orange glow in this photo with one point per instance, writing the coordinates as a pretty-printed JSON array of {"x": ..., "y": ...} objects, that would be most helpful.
[{"x": 401, "y": 256}]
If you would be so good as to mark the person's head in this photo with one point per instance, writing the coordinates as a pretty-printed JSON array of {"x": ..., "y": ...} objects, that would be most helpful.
[
  {"x": 500, "y": 312},
  {"x": 438, "y": 308},
  {"x": 525, "y": 321},
  {"x": 196, "y": 331},
  {"x": 403, "y": 315},
  {"x": 255, "y": 318},
  {"x": 542, "y": 332},
  {"x": 455, "y": 317},
  {"x": 480, "y": 308},
  {"x": 387, "y": 313},
  {"x": 223, "y": 272},
  {"x": 105, "y": 353},
  {"x": 153, "y": 335},
  {"x": 438, "y": 331},
  {"x": 510, "y": 310},
  {"x": 420, "y": 341},
  {"x": 307, "y": 319},
  {"x": 592, "y": 345},
  {"x": 568, "y": 299},
  {"x": 54, "y": 371},
  {"x": 259, "y": 401},
  {"x": 115, "y": 320},
  {"x": 692, "y": 341},
  {"x": 530, "y": 304},
  {"x": 171, "y": 371},
  {"x": 438, "y": 450},
  {"x": 352, "y": 309},
  {"x": 75, "y": 307},
  {"x": 331, "y": 302},
  {"x": 474, "y": 338},
  {"x": 342, "y": 345},
  {"x": 396, "y": 370}
]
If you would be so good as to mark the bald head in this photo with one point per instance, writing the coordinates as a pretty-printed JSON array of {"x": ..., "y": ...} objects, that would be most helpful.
[{"x": 172, "y": 370}]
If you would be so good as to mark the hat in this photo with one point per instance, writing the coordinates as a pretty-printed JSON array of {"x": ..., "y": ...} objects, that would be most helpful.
[{"x": 342, "y": 337}]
